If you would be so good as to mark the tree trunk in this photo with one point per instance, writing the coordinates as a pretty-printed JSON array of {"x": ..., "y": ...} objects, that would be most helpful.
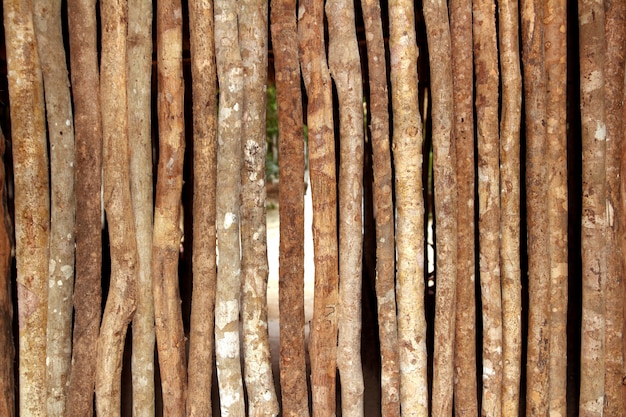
[
  {"x": 121, "y": 301},
  {"x": 32, "y": 203},
  {"x": 555, "y": 47},
  {"x": 383, "y": 209},
  {"x": 508, "y": 15},
  {"x": 345, "y": 67},
  {"x": 203, "y": 73},
  {"x": 166, "y": 239},
  {"x": 465, "y": 387},
  {"x": 622, "y": 220},
  {"x": 7, "y": 349},
  {"x": 230, "y": 76},
  {"x": 592, "y": 45},
  {"x": 407, "y": 152},
  {"x": 140, "y": 139},
  {"x": 47, "y": 20},
  {"x": 323, "y": 343},
  {"x": 444, "y": 173},
  {"x": 88, "y": 146},
  {"x": 293, "y": 378},
  {"x": 614, "y": 361}
]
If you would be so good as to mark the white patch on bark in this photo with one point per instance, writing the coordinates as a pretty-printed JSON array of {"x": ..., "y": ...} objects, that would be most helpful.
[{"x": 229, "y": 219}]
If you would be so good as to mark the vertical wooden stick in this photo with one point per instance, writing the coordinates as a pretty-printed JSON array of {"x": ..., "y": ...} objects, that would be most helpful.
[
  {"x": 407, "y": 152},
  {"x": 204, "y": 76},
  {"x": 32, "y": 202}
]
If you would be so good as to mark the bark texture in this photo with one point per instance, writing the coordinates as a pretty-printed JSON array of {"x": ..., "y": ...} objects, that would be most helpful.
[
  {"x": 383, "y": 209},
  {"x": 140, "y": 140},
  {"x": 323, "y": 343},
  {"x": 32, "y": 202},
  {"x": 293, "y": 378},
  {"x": 407, "y": 153},
  {"x": 204, "y": 76},
  {"x": 444, "y": 173},
  {"x": 121, "y": 301},
  {"x": 510, "y": 270},
  {"x": 614, "y": 95},
  {"x": 47, "y": 20},
  {"x": 256, "y": 347},
  {"x": 166, "y": 239},
  {"x": 345, "y": 66},
  {"x": 88, "y": 147},
  {"x": 465, "y": 386},
  {"x": 230, "y": 77}
]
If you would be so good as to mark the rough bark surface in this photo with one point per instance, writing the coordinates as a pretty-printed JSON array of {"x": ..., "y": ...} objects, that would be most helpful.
[
  {"x": 592, "y": 44},
  {"x": 383, "y": 209},
  {"x": 140, "y": 140},
  {"x": 555, "y": 50},
  {"x": 508, "y": 16},
  {"x": 47, "y": 20},
  {"x": 121, "y": 301},
  {"x": 32, "y": 202},
  {"x": 170, "y": 334},
  {"x": 204, "y": 76},
  {"x": 230, "y": 77},
  {"x": 465, "y": 384},
  {"x": 622, "y": 219},
  {"x": 323, "y": 342},
  {"x": 293, "y": 379},
  {"x": 256, "y": 347},
  {"x": 345, "y": 67},
  {"x": 7, "y": 349},
  {"x": 444, "y": 173},
  {"x": 614, "y": 91},
  {"x": 486, "y": 70},
  {"x": 407, "y": 153},
  {"x": 88, "y": 146}
]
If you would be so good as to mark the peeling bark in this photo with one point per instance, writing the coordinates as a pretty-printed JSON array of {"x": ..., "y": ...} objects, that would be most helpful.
[
  {"x": 345, "y": 67},
  {"x": 88, "y": 147},
  {"x": 407, "y": 152},
  {"x": 47, "y": 20},
  {"x": 170, "y": 335},
  {"x": 508, "y": 15},
  {"x": 293, "y": 379},
  {"x": 140, "y": 140},
  {"x": 323, "y": 343},
  {"x": 203, "y": 73},
  {"x": 383, "y": 209},
  {"x": 121, "y": 301},
  {"x": 230, "y": 77},
  {"x": 614, "y": 361},
  {"x": 32, "y": 202},
  {"x": 592, "y": 44}
]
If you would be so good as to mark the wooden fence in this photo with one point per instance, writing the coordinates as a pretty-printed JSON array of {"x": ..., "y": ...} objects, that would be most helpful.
[{"x": 498, "y": 127}]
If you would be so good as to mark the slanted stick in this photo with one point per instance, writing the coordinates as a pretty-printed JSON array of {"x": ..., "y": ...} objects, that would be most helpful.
[{"x": 32, "y": 202}]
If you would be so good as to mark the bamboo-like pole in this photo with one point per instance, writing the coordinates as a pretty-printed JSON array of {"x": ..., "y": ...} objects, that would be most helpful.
[
  {"x": 121, "y": 301},
  {"x": 511, "y": 279},
  {"x": 140, "y": 140},
  {"x": 32, "y": 202},
  {"x": 407, "y": 153},
  {"x": 204, "y": 90},
  {"x": 486, "y": 70},
  {"x": 444, "y": 177},
  {"x": 47, "y": 20},
  {"x": 592, "y": 44},
  {"x": 555, "y": 38},
  {"x": 293, "y": 378},
  {"x": 323, "y": 342},
  {"x": 345, "y": 67},
  {"x": 231, "y": 84},
  {"x": 383, "y": 209},
  {"x": 615, "y": 31},
  {"x": 170, "y": 335},
  {"x": 88, "y": 147}
]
